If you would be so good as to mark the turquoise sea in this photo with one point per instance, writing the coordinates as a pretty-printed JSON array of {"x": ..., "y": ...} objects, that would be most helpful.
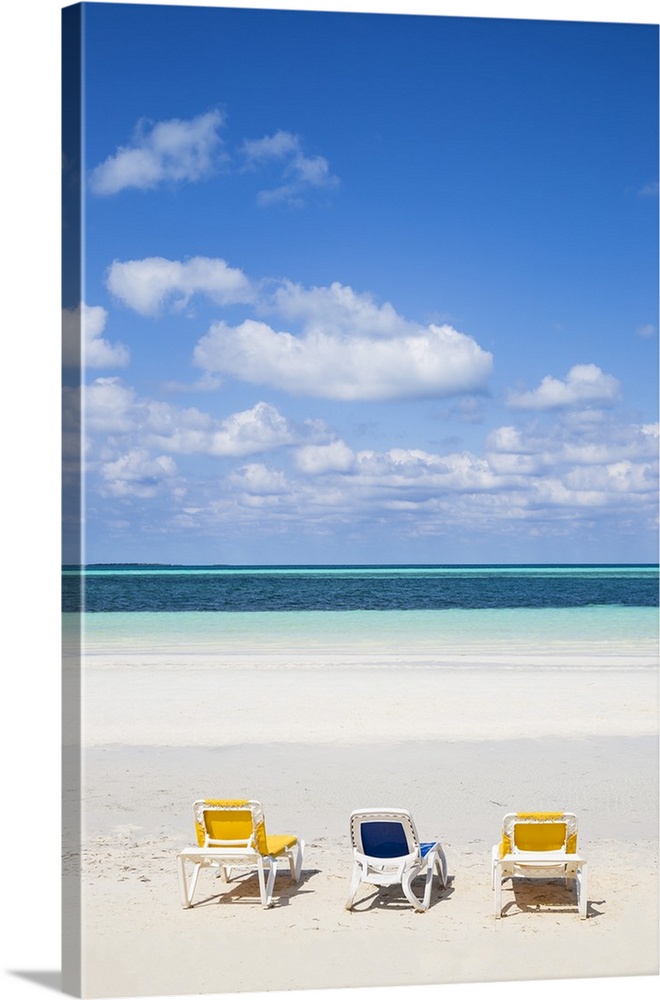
[{"x": 322, "y": 609}]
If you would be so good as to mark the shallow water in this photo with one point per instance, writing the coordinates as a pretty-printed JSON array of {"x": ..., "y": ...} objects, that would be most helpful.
[
  {"x": 611, "y": 630},
  {"x": 415, "y": 611}
]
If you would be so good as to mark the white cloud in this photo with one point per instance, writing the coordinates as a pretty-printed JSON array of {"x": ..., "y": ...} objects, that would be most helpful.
[
  {"x": 350, "y": 347},
  {"x": 646, "y": 330},
  {"x": 147, "y": 285},
  {"x": 430, "y": 362},
  {"x": 177, "y": 151},
  {"x": 337, "y": 309},
  {"x": 300, "y": 172},
  {"x": 173, "y": 150},
  {"x": 398, "y": 472},
  {"x": 572, "y": 445},
  {"x": 109, "y": 407},
  {"x": 114, "y": 415},
  {"x": 584, "y": 385},
  {"x": 533, "y": 479},
  {"x": 261, "y": 428},
  {"x": 272, "y": 147},
  {"x": 421, "y": 474},
  {"x": 613, "y": 478},
  {"x": 321, "y": 458},
  {"x": 137, "y": 474},
  {"x": 259, "y": 480},
  {"x": 82, "y": 343}
]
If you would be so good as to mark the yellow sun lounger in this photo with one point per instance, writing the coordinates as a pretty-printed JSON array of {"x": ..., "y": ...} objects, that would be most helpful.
[
  {"x": 232, "y": 833},
  {"x": 541, "y": 846}
]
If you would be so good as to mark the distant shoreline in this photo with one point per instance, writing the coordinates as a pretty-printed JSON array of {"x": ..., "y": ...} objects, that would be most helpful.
[{"x": 249, "y": 567}]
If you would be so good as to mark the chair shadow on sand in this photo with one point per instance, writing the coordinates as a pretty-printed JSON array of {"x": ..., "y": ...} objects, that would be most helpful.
[
  {"x": 242, "y": 889},
  {"x": 543, "y": 896},
  {"x": 391, "y": 897}
]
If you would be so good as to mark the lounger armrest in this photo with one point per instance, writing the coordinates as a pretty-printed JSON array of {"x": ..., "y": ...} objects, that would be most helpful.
[{"x": 399, "y": 865}]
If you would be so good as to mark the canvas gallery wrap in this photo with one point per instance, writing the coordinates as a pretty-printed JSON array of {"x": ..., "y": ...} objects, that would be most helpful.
[{"x": 360, "y": 492}]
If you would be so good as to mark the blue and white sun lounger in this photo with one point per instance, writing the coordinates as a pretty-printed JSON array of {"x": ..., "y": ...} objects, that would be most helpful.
[{"x": 387, "y": 851}]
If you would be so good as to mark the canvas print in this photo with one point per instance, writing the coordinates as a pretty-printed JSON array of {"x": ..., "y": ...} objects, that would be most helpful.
[{"x": 360, "y": 452}]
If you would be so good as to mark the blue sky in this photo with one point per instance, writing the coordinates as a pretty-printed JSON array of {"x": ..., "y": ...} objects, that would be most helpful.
[{"x": 368, "y": 288}]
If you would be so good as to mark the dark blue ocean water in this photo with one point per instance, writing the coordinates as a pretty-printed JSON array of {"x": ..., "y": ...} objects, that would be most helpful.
[{"x": 119, "y": 588}]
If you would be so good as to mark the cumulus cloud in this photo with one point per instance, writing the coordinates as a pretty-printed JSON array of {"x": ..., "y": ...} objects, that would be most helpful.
[
  {"x": 147, "y": 285},
  {"x": 336, "y": 456},
  {"x": 178, "y": 151},
  {"x": 261, "y": 428},
  {"x": 175, "y": 151},
  {"x": 336, "y": 363},
  {"x": 412, "y": 474},
  {"x": 611, "y": 479},
  {"x": 113, "y": 409},
  {"x": 350, "y": 348},
  {"x": 279, "y": 146},
  {"x": 535, "y": 478},
  {"x": 584, "y": 385},
  {"x": 520, "y": 473},
  {"x": 257, "y": 479},
  {"x": 109, "y": 407},
  {"x": 83, "y": 343},
  {"x": 570, "y": 444},
  {"x": 300, "y": 172},
  {"x": 578, "y": 467},
  {"x": 136, "y": 474},
  {"x": 337, "y": 309}
]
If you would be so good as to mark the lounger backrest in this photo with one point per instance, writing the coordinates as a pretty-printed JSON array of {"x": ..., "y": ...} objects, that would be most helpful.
[
  {"x": 230, "y": 823},
  {"x": 384, "y": 835},
  {"x": 539, "y": 832},
  {"x": 384, "y": 840}
]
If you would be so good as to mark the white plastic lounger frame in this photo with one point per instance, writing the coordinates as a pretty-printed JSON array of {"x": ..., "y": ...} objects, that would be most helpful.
[
  {"x": 387, "y": 851},
  {"x": 539, "y": 845},
  {"x": 233, "y": 834}
]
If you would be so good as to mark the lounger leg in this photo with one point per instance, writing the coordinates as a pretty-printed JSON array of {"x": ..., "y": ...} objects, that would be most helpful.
[
  {"x": 494, "y": 856},
  {"x": 428, "y": 885},
  {"x": 272, "y": 871},
  {"x": 406, "y": 885},
  {"x": 581, "y": 885},
  {"x": 497, "y": 887},
  {"x": 295, "y": 856},
  {"x": 442, "y": 866},
  {"x": 262, "y": 883},
  {"x": 355, "y": 882},
  {"x": 183, "y": 882},
  {"x": 266, "y": 887},
  {"x": 186, "y": 889},
  {"x": 193, "y": 881}
]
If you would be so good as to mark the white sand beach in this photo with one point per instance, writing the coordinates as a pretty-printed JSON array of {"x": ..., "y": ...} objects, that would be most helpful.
[{"x": 457, "y": 744}]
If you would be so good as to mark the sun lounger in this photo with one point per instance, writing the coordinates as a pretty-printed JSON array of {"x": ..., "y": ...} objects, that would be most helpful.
[
  {"x": 387, "y": 851},
  {"x": 539, "y": 846},
  {"x": 233, "y": 834}
]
